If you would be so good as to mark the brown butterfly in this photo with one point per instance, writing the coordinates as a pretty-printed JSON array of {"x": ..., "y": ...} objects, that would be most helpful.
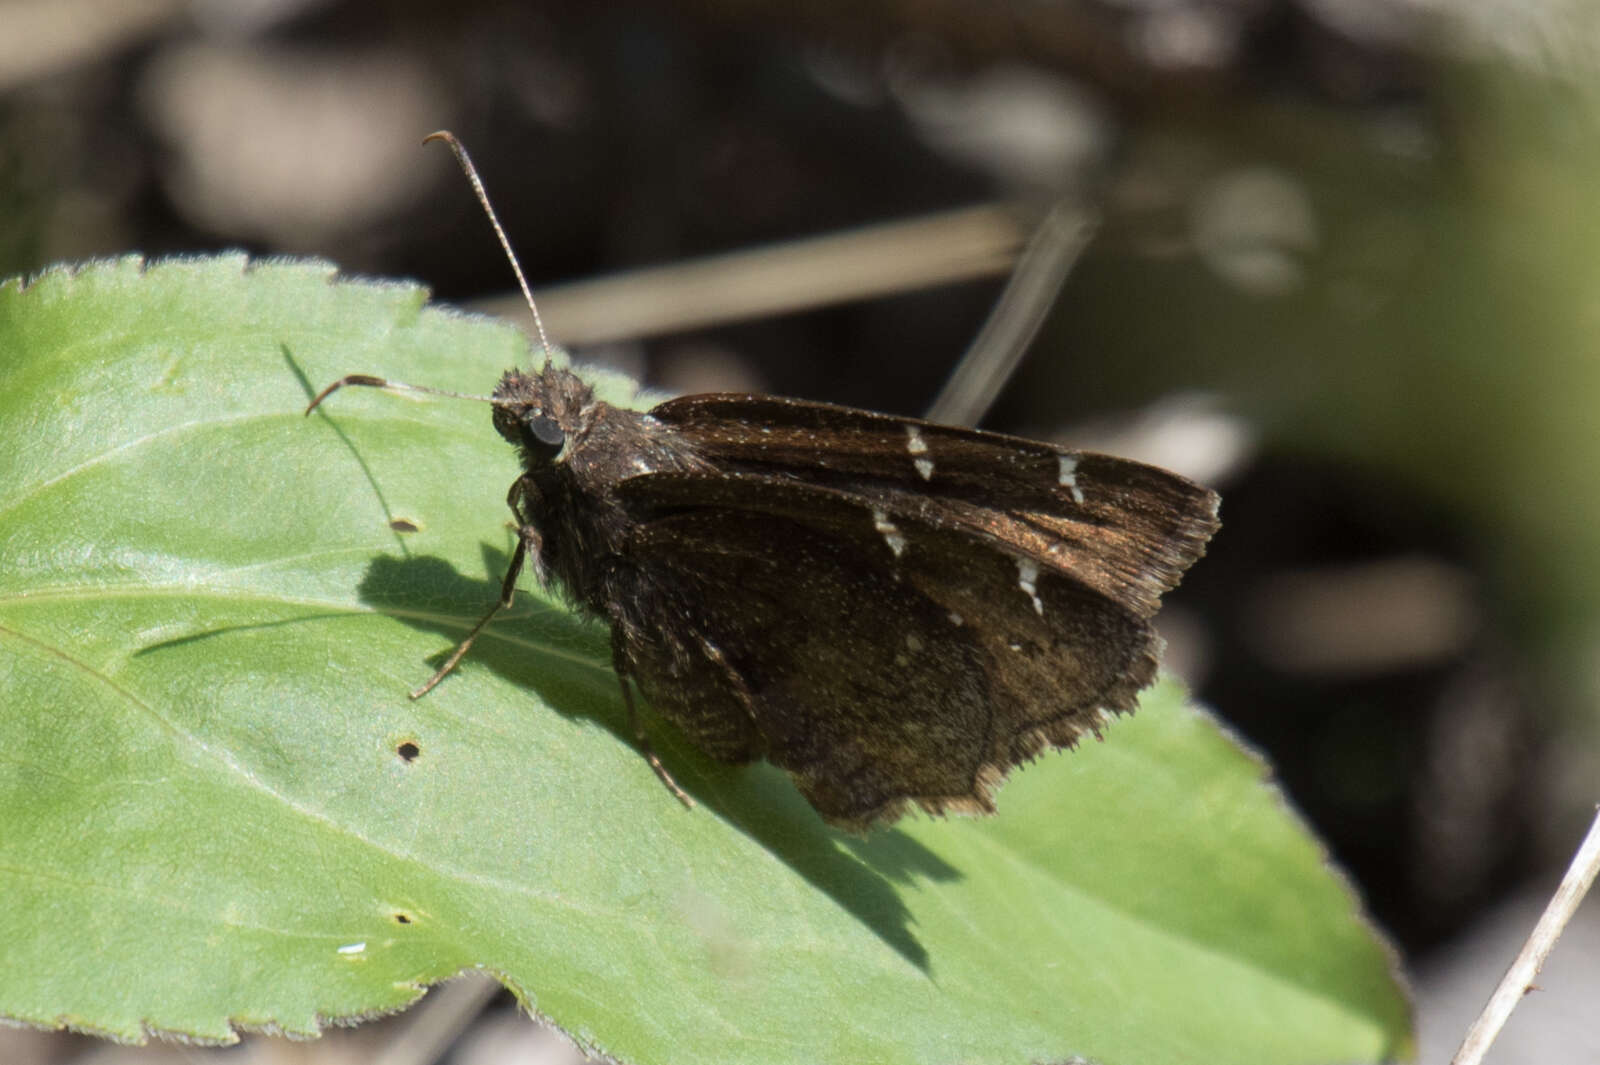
[{"x": 894, "y": 611}]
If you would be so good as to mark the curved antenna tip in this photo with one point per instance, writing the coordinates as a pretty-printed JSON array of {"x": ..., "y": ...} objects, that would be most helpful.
[{"x": 471, "y": 171}]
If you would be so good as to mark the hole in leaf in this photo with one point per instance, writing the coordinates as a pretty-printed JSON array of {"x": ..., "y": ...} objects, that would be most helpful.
[
  {"x": 408, "y": 751},
  {"x": 404, "y": 525},
  {"x": 402, "y": 918}
]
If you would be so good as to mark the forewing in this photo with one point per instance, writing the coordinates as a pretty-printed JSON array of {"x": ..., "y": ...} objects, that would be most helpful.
[
  {"x": 881, "y": 660},
  {"x": 1123, "y": 528}
]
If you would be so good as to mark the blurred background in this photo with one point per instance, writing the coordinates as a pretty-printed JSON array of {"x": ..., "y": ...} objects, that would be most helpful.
[{"x": 1338, "y": 258}]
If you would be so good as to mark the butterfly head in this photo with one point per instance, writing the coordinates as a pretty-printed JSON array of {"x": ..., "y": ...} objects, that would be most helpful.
[{"x": 540, "y": 413}]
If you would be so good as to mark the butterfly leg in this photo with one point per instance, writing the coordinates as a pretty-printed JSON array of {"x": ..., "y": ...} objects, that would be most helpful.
[
  {"x": 508, "y": 588},
  {"x": 527, "y": 536},
  {"x": 619, "y": 661}
]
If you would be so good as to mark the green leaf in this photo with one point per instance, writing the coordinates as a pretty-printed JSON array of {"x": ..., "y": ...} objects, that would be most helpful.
[{"x": 207, "y": 630}]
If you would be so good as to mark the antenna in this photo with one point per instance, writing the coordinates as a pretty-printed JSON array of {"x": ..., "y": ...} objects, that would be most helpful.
[
  {"x": 366, "y": 380},
  {"x": 483, "y": 197}
]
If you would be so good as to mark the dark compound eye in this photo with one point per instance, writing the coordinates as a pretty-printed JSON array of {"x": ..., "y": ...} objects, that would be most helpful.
[{"x": 542, "y": 436}]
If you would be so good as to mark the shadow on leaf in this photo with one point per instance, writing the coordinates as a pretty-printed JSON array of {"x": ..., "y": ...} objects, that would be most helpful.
[{"x": 859, "y": 874}]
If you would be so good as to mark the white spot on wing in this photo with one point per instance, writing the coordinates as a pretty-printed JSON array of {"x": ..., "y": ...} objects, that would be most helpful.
[
  {"x": 956, "y": 619},
  {"x": 919, "y": 451},
  {"x": 913, "y": 644},
  {"x": 1028, "y": 581},
  {"x": 889, "y": 531},
  {"x": 1067, "y": 477}
]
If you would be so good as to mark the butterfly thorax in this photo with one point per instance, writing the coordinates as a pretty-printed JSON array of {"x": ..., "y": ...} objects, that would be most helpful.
[{"x": 575, "y": 451}]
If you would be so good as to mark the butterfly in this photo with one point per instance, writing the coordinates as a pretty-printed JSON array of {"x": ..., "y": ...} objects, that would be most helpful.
[{"x": 895, "y": 612}]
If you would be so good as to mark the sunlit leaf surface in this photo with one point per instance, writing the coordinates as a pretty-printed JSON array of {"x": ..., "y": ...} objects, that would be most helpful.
[{"x": 208, "y": 625}]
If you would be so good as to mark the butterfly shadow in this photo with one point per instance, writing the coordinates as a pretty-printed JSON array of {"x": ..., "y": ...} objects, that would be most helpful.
[{"x": 863, "y": 875}]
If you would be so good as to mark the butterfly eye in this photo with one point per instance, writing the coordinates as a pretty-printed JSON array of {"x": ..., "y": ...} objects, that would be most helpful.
[{"x": 542, "y": 436}]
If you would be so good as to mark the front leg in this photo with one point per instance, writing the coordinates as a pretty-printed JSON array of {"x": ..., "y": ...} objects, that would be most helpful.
[
  {"x": 527, "y": 540},
  {"x": 524, "y": 491}
]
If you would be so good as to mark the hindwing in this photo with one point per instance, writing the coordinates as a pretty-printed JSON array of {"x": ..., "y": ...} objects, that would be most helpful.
[{"x": 882, "y": 650}]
